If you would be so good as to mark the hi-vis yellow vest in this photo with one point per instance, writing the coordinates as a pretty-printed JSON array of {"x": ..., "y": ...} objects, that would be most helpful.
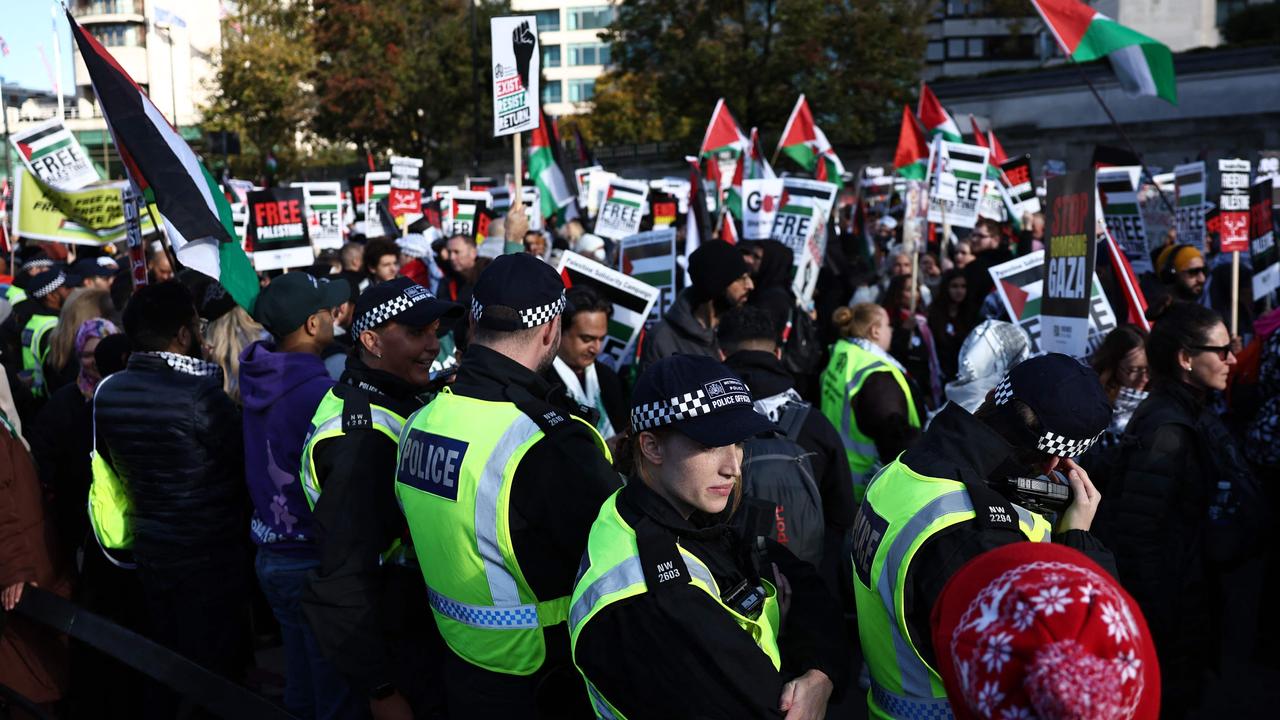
[
  {"x": 457, "y": 459},
  {"x": 33, "y": 355},
  {"x": 848, "y": 370},
  {"x": 613, "y": 573},
  {"x": 327, "y": 423},
  {"x": 902, "y": 510}
]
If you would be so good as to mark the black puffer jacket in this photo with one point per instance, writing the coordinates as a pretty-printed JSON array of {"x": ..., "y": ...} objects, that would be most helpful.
[{"x": 174, "y": 438}]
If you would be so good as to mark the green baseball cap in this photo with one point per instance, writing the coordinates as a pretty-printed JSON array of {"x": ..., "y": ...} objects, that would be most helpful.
[{"x": 285, "y": 304}]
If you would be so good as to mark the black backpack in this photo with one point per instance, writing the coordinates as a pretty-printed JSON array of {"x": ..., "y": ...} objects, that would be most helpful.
[{"x": 779, "y": 471}]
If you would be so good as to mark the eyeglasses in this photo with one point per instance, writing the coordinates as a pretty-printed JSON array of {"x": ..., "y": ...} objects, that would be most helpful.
[
  {"x": 1191, "y": 272},
  {"x": 1222, "y": 350}
]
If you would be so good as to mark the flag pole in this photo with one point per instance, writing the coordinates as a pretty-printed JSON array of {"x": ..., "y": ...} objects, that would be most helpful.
[{"x": 1123, "y": 135}]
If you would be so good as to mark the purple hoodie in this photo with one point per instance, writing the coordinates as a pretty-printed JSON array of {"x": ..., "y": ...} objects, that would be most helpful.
[{"x": 281, "y": 392}]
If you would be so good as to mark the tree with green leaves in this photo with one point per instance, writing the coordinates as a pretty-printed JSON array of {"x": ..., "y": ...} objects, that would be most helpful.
[
  {"x": 397, "y": 77},
  {"x": 263, "y": 88},
  {"x": 858, "y": 62}
]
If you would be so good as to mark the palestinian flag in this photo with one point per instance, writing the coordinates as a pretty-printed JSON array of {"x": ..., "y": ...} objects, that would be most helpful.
[
  {"x": 757, "y": 167},
  {"x": 1142, "y": 65},
  {"x": 803, "y": 141},
  {"x": 935, "y": 118},
  {"x": 998, "y": 155},
  {"x": 545, "y": 171},
  {"x": 733, "y": 197},
  {"x": 912, "y": 156},
  {"x": 978, "y": 138},
  {"x": 722, "y": 133},
  {"x": 196, "y": 213}
]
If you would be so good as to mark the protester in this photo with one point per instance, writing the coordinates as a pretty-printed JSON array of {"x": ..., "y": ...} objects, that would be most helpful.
[
  {"x": 282, "y": 382},
  {"x": 675, "y": 570},
  {"x": 985, "y": 240},
  {"x": 226, "y": 337},
  {"x": 990, "y": 351},
  {"x": 867, "y": 395},
  {"x": 342, "y": 343},
  {"x": 61, "y": 367},
  {"x": 912, "y": 341},
  {"x": 465, "y": 267},
  {"x": 948, "y": 323},
  {"x": 159, "y": 269},
  {"x": 62, "y": 439},
  {"x": 961, "y": 254},
  {"x": 381, "y": 260},
  {"x": 1181, "y": 269},
  {"x": 771, "y": 281},
  {"x": 1183, "y": 468},
  {"x": 365, "y": 602},
  {"x": 501, "y": 444},
  {"x": 414, "y": 249},
  {"x": 720, "y": 282},
  {"x": 535, "y": 243},
  {"x": 352, "y": 256},
  {"x": 750, "y": 349},
  {"x": 949, "y": 498},
  {"x": 590, "y": 383},
  {"x": 1040, "y": 630},
  {"x": 168, "y": 430},
  {"x": 1121, "y": 364},
  {"x": 930, "y": 277}
]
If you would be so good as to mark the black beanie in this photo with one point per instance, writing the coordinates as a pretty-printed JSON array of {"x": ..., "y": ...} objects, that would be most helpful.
[{"x": 713, "y": 267}]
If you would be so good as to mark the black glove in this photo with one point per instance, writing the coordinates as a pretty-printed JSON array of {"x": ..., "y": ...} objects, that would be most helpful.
[{"x": 523, "y": 41}]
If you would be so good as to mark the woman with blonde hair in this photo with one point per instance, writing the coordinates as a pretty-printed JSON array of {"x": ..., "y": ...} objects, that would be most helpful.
[
  {"x": 225, "y": 337},
  {"x": 677, "y": 567},
  {"x": 61, "y": 366},
  {"x": 867, "y": 394}
]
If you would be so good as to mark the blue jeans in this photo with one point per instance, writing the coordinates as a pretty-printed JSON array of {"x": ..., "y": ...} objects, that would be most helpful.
[{"x": 313, "y": 687}]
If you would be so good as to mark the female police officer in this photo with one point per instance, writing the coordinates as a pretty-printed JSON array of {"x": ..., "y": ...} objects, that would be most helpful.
[{"x": 681, "y": 603}]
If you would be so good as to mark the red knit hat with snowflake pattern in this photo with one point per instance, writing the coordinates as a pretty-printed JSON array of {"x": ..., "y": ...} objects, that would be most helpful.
[{"x": 1036, "y": 630}]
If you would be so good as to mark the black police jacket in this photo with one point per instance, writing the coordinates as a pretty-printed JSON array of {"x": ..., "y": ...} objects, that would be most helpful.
[
  {"x": 960, "y": 447},
  {"x": 174, "y": 437},
  {"x": 675, "y": 653}
]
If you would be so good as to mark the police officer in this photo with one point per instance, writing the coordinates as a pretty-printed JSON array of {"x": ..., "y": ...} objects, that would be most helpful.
[
  {"x": 500, "y": 479},
  {"x": 944, "y": 501},
  {"x": 679, "y": 574},
  {"x": 363, "y": 594},
  {"x": 47, "y": 292},
  {"x": 867, "y": 395}
]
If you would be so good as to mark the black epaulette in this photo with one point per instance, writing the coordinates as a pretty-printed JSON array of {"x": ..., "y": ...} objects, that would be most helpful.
[
  {"x": 992, "y": 510},
  {"x": 549, "y": 418},
  {"x": 356, "y": 412},
  {"x": 660, "y": 558}
]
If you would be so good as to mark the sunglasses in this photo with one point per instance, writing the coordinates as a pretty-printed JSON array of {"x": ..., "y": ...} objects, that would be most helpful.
[
  {"x": 1222, "y": 350},
  {"x": 1191, "y": 272}
]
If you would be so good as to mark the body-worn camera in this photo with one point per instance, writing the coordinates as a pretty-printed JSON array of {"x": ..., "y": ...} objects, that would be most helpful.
[
  {"x": 746, "y": 598},
  {"x": 1048, "y": 495}
]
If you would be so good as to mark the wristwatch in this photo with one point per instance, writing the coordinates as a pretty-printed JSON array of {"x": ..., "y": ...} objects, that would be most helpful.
[{"x": 382, "y": 692}]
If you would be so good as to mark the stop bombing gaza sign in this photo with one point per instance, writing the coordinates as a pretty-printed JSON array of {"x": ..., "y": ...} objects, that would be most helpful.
[
  {"x": 54, "y": 156},
  {"x": 516, "y": 61}
]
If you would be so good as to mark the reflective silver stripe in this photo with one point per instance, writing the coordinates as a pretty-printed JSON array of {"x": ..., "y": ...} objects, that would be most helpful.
[
  {"x": 898, "y": 706},
  {"x": 517, "y": 617},
  {"x": 914, "y": 673},
  {"x": 502, "y": 585},
  {"x": 1028, "y": 519},
  {"x": 846, "y": 416},
  {"x": 597, "y": 701},
  {"x": 309, "y": 485},
  {"x": 387, "y": 420},
  {"x": 624, "y": 575},
  {"x": 619, "y": 577}
]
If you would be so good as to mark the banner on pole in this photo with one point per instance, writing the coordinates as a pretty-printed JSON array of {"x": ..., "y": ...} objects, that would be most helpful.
[
  {"x": 582, "y": 177},
  {"x": 762, "y": 199},
  {"x": 54, "y": 156},
  {"x": 1117, "y": 187},
  {"x": 1070, "y": 253},
  {"x": 1019, "y": 283},
  {"x": 632, "y": 300},
  {"x": 323, "y": 204},
  {"x": 405, "y": 195},
  {"x": 88, "y": 216},
  {"x": 1022, "y": 188},
  {"x": 1233, "y": 205},
  {"x": 622, "y": 209},
  {"x": 278, "y": 229},
  {"x": 650, "y": 257},
  {"x": 1189, "y": 183},
  {"x": 377, "y": 186},
  {"x": 1263, "y": 252},
  {"x": 516, "y": 69},
  {"x": 469, "y": 214},
  {"x": 955, "y": 188},
  {"x": 805, "y": 205}
]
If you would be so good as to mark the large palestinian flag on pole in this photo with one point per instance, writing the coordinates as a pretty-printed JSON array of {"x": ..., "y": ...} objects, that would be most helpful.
[
  {"x": 722, "y": 133},
  {"x": 553, "y": 191},
  {"x": 1142, "y": 65},
  {"x": 196, "y": 213},
  {"x": 935, "y": 118},
  {"x": 803, "y": 141}
]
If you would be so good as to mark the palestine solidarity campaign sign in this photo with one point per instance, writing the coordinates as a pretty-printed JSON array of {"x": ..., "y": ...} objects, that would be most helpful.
[
  {"x": 278, "y": 229},
  {"x": 1069, "y": 257}
]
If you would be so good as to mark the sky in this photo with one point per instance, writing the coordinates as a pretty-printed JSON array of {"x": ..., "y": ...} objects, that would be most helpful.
[{"x": 26, "y": 27}]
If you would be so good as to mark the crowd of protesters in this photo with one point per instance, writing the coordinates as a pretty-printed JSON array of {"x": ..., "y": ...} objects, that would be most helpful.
[{"x": 302, "y": 470}]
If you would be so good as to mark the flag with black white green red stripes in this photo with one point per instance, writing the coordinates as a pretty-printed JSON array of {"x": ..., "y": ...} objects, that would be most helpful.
[
  {"x": 54, "y": 156},
  {"x": 622, "y": 209},
  {"x": 650, "y": 257},
  {"x": 955, "y": 183}
]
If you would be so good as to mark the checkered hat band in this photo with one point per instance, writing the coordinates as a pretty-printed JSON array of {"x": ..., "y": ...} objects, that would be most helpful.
[
  {"x": 50, "y": 286},
  {"x": 40, "y": 263},
  {"x": 532, "y": 317},
  {"x": 665, "y": 412},
  {"x": 1048, "y": 442},
  {"x": 380, "y": 314}
]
